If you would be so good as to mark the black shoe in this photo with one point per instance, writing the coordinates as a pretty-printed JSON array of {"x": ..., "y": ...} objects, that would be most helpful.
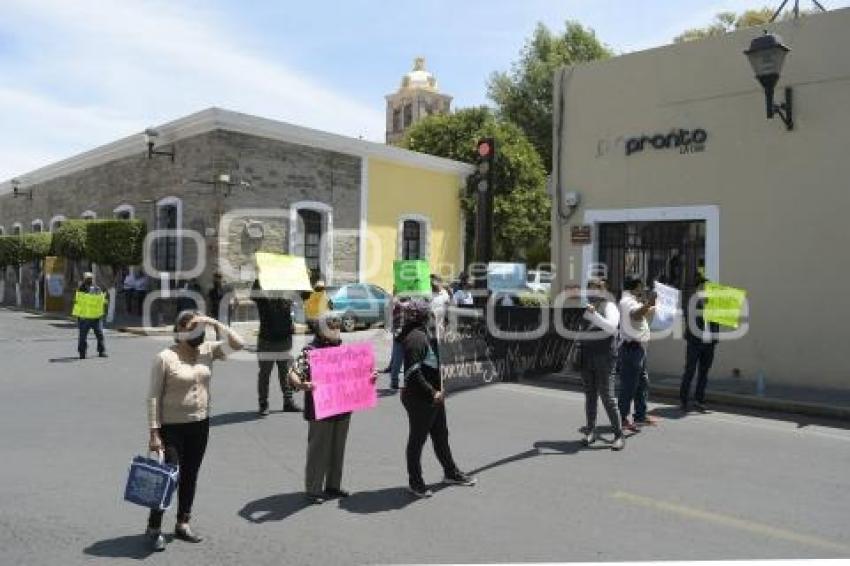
[
  {"x": 263, "y": 411},
  {"x": 291, "y": 406},
  {"x": 186, "y": 534},
  {"x": 102, "y": 355},
  {"x": 335, "y": 493},
  {"x": 459, "y": 478},
  {"x": 420, "y": 491},
  {"x": 82, "y": 356},
  {"x": 315, "y": 499},
  {"x": 157, "y": 541},
  {"x": 700, "y": 407},
  {"x": 684, "y": 407}
]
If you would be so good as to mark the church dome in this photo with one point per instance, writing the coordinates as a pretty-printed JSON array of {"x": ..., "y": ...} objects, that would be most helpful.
[{"x": 419, "y": 78}]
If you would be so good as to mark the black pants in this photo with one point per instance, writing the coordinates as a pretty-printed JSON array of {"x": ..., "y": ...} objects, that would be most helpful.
[
  {"x": 86, "y": 324},
  {"x": 185, "y": 445},
  {"x": 698, "y": 359},
  {"x": 426, "y": 419},
  {"x": 268, "y": 354}
]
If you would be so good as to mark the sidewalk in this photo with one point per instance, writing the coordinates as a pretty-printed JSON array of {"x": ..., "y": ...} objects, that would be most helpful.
[{"x": 738, "y": 392}]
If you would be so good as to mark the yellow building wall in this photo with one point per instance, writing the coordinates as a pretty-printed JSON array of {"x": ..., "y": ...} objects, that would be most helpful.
[{"x": 395, "y": 190}]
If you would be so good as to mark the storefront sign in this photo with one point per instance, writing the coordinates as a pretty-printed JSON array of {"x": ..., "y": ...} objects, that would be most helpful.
[
  {"x": 581, "y": 234},
  {"x": 686, "y": 141}
]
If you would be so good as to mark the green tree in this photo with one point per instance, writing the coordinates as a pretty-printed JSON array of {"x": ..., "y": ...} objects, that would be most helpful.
[
  {"x": 524, "y": 94},
  {"x": 725, "y": 22},
  {"x": 521, "y": 205}
]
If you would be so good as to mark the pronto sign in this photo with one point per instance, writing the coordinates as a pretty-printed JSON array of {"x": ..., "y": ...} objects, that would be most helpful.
[{"x": 686, "y": 141}]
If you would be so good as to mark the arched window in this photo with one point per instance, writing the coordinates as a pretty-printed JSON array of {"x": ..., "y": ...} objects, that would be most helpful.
[
  {"x": 414, "y": 237},
  {"x": 124, "y": 212},
  {"x": 310, "y": 228},
  {"x": 37, "y": 226},
  {"x": 17, "y": 230},
  {"x": 88, "y": 215},
  {"x": 2, "y": 230},
  {"x": 408, "y": 115},
  {"x": 56, "y": 222}
]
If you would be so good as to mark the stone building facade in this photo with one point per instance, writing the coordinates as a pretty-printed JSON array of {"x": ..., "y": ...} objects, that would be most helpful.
[{"x": 237, "y": 184}]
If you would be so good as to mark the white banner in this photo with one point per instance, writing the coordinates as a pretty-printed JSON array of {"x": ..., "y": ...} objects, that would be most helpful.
[{"x": 666, "y": 306}]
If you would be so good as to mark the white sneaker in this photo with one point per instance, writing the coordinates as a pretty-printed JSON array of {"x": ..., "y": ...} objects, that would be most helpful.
[
  {"x": 619, "y": 443},
  {"x": 589, "y": 438}
]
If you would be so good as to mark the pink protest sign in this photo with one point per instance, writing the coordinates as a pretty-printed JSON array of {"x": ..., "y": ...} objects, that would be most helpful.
[{"x": 342, "y": 379}]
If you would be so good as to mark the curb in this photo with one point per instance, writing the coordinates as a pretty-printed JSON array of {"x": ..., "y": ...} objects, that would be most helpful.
[
  {"x": 738, "y": 400},
  {"x": 166, "y": 330}
]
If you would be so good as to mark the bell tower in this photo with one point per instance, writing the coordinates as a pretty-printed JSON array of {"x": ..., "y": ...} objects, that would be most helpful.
[{"x": 417, "y": 97}]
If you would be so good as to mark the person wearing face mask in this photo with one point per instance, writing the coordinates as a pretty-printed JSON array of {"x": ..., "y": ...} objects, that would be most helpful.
[
  {"x": 599, "y": 355},
  {"x": 178, "y": 411},
  {"x": 424, "y": 400},
  {"x": 325, "y": 437}
]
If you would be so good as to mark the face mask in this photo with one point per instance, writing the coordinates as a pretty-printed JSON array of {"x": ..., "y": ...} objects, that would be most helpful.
[{"x": 196, "y": 341}]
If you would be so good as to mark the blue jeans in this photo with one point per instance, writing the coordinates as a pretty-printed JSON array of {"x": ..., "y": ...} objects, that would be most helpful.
[
  {"x": 85, "y": 325},
  {"x": 634, "y": 380},
  {"x": 396, "y": 361}
]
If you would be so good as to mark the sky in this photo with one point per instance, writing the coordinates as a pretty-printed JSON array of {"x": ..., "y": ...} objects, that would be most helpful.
[{"x": 75, "y": 75}]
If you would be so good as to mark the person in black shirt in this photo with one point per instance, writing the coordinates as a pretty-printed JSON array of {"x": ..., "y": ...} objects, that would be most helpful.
[
  {"x": 273, "y": 345},
  {"x": 699, "y": 354},
  {"x": 326, "y": 437},
  {"x": 424, "y": 400}
]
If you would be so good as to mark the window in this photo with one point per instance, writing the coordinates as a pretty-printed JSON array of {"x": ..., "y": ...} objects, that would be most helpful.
[
  {"x": 88, "y": 215},
  {"x": 2, "y": 231},
  {"x": 397, "y": 120},
  {"x": 56, "y": 222},
  {"x": 377, "y": 292},
  {"x": 312, "y": 234},
  {"x": 37, "y": 226},
  {"x": 411, "y": 243},
  {"x": 124, "y": 212},
  {"x": 408, "y": 115},
  {"x": 357, "y": 292},
  {"x": 167, "y": 218},
  {"x": 16, "y": 229}
]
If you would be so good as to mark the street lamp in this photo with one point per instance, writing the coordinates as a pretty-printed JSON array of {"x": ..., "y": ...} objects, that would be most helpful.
[
  {"x": 17, "y": 192},
  {"x": 150, "y": 141},
  {"x": 767, "y": 55}
]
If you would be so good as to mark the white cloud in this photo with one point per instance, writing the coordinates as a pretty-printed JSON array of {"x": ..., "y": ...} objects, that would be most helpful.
[{"x": 90, "y": 72}]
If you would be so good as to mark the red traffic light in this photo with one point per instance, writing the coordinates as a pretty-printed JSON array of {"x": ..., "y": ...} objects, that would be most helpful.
[{"x": 485, "y": 148}]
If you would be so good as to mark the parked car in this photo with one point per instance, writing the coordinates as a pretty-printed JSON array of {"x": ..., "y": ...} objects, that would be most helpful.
[
  {"x": 360, "y": 305},
  {"x": 539, "y": 281}
]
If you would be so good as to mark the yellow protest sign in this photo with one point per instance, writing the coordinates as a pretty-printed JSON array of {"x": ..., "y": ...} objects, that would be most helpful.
[
  {"x": 89, "y": 305},
  {"x": 279, "y": 272},
  {"x": 724, "y": 305}
]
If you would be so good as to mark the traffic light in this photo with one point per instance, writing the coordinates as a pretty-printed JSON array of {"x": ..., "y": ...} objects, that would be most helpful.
[{"x": 483, "y": 185}]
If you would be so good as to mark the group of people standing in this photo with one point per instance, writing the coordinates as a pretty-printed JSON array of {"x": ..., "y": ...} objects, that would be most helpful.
[
  {"x": 178, "y": 399},
  {"x": 614, "y": 347}
]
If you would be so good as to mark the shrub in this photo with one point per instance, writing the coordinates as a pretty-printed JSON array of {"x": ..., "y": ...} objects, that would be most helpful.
[
  {"x": 10, "y": 250},
  {"x": 115, "y": 242},
  {"x": 35, "y": 246},
  {"x": 533, "y": 299},
  {"x": 70, "y": 239}
]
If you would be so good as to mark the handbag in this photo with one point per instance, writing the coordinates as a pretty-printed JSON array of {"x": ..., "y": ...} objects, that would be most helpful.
[{"x": 151, "y": 483}]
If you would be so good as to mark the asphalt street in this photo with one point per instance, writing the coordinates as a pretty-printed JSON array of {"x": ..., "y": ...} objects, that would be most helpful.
[{"x": 715, "y": 486}]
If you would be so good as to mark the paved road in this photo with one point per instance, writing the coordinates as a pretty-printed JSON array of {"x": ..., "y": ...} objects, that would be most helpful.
[{"x": 718, "y": 486}]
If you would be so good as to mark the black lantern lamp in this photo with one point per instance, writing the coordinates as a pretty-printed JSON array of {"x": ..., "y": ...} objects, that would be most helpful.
[{"x": 767, "y": 55}]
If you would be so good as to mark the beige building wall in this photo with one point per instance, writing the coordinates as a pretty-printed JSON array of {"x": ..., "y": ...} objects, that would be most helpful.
[{"x": 780, "y": 198}]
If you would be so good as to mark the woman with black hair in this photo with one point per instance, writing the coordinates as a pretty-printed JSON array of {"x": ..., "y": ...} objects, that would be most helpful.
[
  {"x": 178, "y": 411},
  {"x": 424, "y": 400}
]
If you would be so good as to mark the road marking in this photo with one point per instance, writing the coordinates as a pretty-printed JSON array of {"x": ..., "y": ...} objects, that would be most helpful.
[{"x": 730, "y": 521}]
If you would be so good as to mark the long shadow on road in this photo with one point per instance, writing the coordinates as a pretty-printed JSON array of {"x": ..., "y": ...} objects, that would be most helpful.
[{"x": 274, "y": 507}]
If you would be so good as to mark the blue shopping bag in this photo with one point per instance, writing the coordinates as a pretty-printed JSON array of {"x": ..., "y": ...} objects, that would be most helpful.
[{"x": 151, "y": 483}]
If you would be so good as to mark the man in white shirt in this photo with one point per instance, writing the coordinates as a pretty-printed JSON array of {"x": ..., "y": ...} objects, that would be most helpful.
[
  {"x": 634, "y": 339},
  {"x": 463, "y": 296},
  {"x": 440, "y": 300}
]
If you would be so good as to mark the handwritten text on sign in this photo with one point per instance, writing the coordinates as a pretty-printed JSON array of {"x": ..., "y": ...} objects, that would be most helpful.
[{"x": 342, "y": 379}]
